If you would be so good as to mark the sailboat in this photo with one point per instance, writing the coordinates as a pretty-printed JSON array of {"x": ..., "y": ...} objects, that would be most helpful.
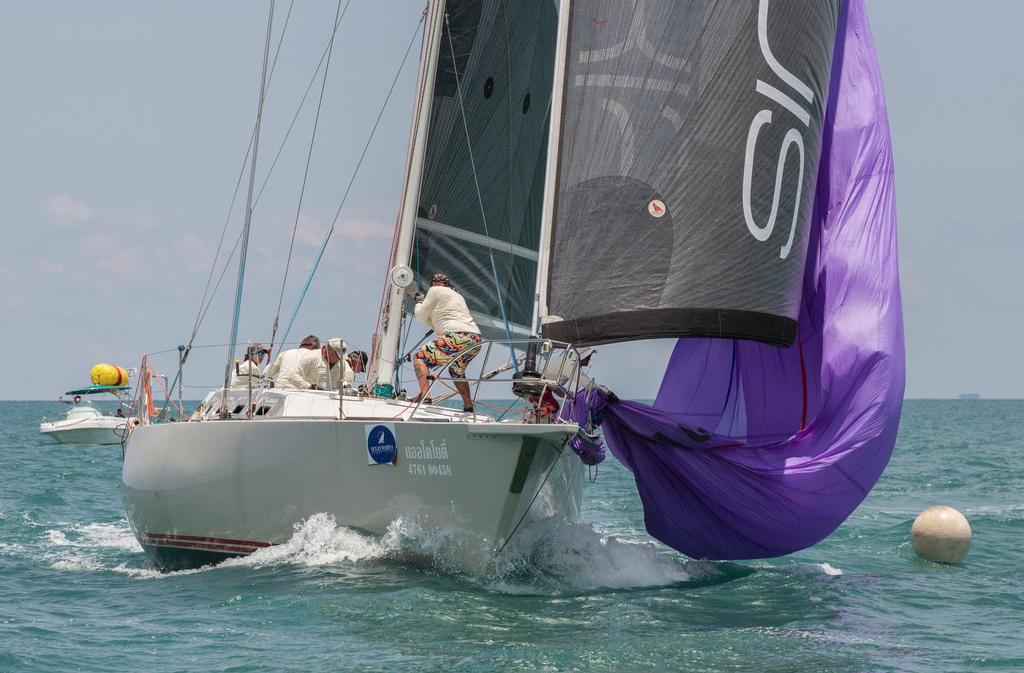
[
  {"x": 592, "y": 172},
  {"x": 246, "y": 467}
]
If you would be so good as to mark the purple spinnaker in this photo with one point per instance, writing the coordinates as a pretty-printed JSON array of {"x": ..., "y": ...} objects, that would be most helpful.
[{"x": 796, "y": 437}]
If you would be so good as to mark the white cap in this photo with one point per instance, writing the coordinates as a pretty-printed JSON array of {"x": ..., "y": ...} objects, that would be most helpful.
[{"x": 337, "y": 344}]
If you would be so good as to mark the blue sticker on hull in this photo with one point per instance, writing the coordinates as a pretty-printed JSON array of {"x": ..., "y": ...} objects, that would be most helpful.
[{"x": 381, "y": 447}]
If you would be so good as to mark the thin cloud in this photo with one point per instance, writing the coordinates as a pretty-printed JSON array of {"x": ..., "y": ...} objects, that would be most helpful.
[
  {"x": 310, "y": 231},
  {"x": 49, "y": 267},
  {"x": 12, "y": 298},
  {"x": 364, "y": 230},
  {"x": 65, "y": 209}
]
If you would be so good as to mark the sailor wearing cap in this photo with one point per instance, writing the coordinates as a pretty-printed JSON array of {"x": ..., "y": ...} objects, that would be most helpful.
[
  {"x": 248, "y": 370},
  {"x": 337, "y": 371}
]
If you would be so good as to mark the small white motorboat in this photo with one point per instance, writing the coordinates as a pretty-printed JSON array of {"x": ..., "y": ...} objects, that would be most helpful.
[{"x": 84, "y": 423}]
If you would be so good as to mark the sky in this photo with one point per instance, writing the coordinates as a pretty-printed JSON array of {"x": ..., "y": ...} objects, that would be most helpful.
[{"x": 124, "y": 127}]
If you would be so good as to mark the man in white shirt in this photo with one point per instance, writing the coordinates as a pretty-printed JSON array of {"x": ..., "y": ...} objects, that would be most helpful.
[
  {"x": 299, "y": 367},
  {"x": 337, "y": 371},
  {"x": 249, "y": 369},
  {"x": 457, "y": 337}
]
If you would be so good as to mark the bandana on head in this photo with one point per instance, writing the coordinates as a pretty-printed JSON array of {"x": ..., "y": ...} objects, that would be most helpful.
[{"x": 440, "y": 279}]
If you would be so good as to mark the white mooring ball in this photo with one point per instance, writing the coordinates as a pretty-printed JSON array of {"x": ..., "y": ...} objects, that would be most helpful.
[{"x": 941, "y": 534}]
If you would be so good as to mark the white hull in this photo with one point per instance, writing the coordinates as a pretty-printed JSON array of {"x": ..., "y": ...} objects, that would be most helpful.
[
  {"x": 197, "y": 492},
  {"x": 90, "y": 430}
]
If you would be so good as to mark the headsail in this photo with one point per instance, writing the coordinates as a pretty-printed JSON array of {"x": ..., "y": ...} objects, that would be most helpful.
[
  {"x": 689, "y": 138},
  {"x": 754, "y": 451}
]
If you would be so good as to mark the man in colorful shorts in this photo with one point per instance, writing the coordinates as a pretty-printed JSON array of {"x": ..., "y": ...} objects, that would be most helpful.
[{"x": 457, "y": 337}]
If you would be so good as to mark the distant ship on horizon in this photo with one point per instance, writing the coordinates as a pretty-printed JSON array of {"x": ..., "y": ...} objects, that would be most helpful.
[{"x": 969, "y": 396}]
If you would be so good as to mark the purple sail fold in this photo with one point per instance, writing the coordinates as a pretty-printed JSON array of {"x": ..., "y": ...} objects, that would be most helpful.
[
  {"x": 585, "y": 411},
  {"x": 754, "y": 451}
]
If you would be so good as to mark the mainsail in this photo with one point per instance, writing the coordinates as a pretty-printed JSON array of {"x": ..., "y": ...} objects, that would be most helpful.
[
  {"x": 689, "y": 136},
  {"x": 752, "y": 450}
]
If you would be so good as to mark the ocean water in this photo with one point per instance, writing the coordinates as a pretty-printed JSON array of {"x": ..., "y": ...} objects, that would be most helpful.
[{"x": 76, "y": 592}]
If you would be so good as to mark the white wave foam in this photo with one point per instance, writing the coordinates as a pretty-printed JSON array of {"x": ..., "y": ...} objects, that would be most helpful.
[
  {"x": 95, "y": 536},
  {"x": 151, "y": 573},
  {"x": 109, "y": 536},
  {"x": 76, "y": 548},
  {"x": 57, "y": 538},
  {"x": 831, "y": 570},
  {"x": 551, "y": 557},
  {"x": 316, "y": 541},
  {"x": 75, "y": 562},
  {"x": 802, "y": 567}
]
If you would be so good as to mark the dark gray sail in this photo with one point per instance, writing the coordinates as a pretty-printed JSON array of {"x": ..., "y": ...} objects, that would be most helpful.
[
  {"x": 689, "y": 136},
  {"x": 504, "y": 61}
]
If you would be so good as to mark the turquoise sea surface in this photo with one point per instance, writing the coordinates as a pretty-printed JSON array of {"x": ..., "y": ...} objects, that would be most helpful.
[{"x": 77, "y": 594}]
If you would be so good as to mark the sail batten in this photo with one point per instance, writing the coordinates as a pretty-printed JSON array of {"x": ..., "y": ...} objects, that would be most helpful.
[{"x": 473, "y": 237}]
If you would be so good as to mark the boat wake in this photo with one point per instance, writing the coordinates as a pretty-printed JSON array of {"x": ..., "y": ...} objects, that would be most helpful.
[
  {"x": 82, "y": 547},
  {"x": 560, "y": 557},
  {"x": 550, "y": 557}
]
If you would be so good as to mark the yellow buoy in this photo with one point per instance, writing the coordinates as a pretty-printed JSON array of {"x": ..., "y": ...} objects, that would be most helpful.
[
  {"x": 109, "y": 375},
  {"x": 941, "y": 534}
]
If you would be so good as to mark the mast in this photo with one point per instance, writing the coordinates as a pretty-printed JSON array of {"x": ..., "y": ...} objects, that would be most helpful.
[
  {"x": 382, "y": 370},
  {"x": 248, "y": 210},
  {"x": 551, "y": 172}
]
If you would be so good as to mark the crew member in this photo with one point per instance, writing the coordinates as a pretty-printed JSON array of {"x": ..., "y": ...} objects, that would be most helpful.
[
  {"x": 337, "y": 372},
  {"x": 298, "y": 367},
  {"x": 457, "y": 337},
  {"x": 248, "y": 370}
]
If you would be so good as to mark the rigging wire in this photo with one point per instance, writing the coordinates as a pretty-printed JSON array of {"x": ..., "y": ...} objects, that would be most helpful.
[
  {"x": 234, "y": 196},
  {"x": 204, "y": 306},
  {"x": 248, "y": 208},
  {"x": 476, "y": 183},
  {"x": 338, "y": 14},
  {"x": 547, "y": 474},
  {"x": 302, "y": 103},
  {"x": 510, "y": 115},
  {"x": 348, "y": 189}
]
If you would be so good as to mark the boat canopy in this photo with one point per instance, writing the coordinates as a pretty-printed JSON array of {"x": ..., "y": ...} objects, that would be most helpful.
[{"x": 93, "y": 390}]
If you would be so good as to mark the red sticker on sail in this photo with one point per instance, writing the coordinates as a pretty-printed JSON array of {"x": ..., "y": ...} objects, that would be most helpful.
[{"x": 656, "y": 208}]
